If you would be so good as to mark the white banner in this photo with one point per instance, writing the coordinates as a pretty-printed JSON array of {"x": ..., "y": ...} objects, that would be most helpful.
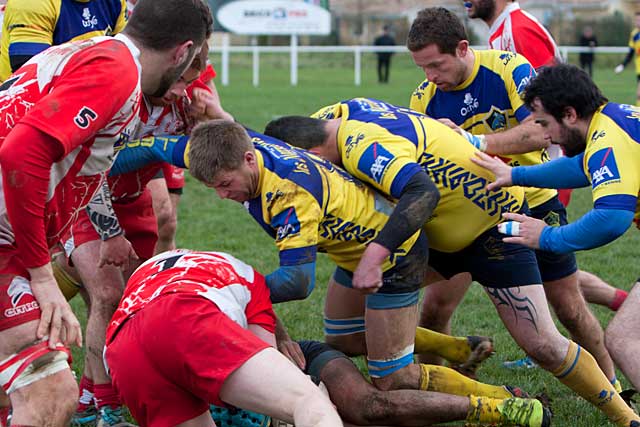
[{"x": 277, "y": 17}]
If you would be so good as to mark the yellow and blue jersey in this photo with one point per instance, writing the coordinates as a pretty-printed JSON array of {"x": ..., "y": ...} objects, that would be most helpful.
[
  {"x": 308, "y": 205},
  {"x": 31, "y": 26},
  {"x": 384, "y": 146},
  {"x": 634, "y": 43},
  {"x": 488, "y": 101},
  {"x": 612, "y": 157}
]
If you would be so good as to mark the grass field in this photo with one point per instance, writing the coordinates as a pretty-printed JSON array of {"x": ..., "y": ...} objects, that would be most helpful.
[{"x": 206, "y": 222}]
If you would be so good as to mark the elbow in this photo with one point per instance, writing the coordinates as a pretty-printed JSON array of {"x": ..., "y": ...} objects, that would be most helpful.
[{"x": 297, "y": 286}]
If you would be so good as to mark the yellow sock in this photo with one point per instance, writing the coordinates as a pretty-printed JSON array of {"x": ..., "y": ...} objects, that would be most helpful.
[
  {"x": 580, "y": 372},
  {"x": 446, "y": 380},
  {"x": 453, "y": 349},
  {"x": 67, "y": 284},
  {"x": 483, "y": 410}
]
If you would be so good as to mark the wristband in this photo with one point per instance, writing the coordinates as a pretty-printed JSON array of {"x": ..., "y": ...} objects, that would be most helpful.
[
  {"x": 477, "y": 141},
  {"x": 510, "y": 228}
]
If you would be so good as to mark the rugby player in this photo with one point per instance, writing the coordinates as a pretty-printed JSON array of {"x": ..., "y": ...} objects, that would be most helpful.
[
  {"x": 308, "y": 205},
  {"x": 601, "y": 140},
  {"x": 385, "y": 146},
  {"x": 479, "y": 93},
  {"x": 227, "y": 357},
  {"x": 31, "y": 26},
  {"x": 634, "y": 48},
  {"x": 57, "y": 138}
]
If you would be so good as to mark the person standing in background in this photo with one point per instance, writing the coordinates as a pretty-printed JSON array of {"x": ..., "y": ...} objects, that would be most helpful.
[
  {"x": 384, "y": 57},
  {"x": 587, "y": 39},
  {"x": 634, "y": 47}
]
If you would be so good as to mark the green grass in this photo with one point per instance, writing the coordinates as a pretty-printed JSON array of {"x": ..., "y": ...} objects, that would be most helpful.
[{"x": 206, "y": 222}]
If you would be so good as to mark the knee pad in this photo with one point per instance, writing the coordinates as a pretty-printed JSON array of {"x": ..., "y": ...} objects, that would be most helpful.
[
  {"x": 380, "y": 301},
  {"x": 338, "y": 327},
  {"x": 236, "y": 417},
  {"x": 385, "y": 367},
  {"x": 32, "y": 364}
]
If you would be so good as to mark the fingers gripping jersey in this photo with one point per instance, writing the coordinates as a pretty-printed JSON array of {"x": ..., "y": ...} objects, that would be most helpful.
[
  {"x": 234, "y": 287},
  {"x": 384, "y": 146},
  {"x": 489, "y": 101},
  {"x": 519, "y": 32},
  {"x": 31, "y": 26},
  {"x": 60, "y": 92},
  {"x": 307, "y": 205},
  {"x": 612, "y": 157}
]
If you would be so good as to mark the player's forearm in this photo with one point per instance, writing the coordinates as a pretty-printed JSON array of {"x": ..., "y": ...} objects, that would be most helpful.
[
  {"x": 596, "y": 228},
  {"x": 26, "y": 157},
  {"x": 416, "y": 204},
  {"x": 564, "y": 172},
  {"x": 154, "y": 149},
  {"x": 101, "y": 214},
  {"x": 291, "y": 282},
  {"x": 627, "y": 58},
  {"x": 524, "y": 138}
]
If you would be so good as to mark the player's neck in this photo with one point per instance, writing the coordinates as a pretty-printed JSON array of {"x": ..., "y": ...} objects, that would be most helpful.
[
  {"x": 500, "y": 7},
  {"x": 331, "y": 129}
]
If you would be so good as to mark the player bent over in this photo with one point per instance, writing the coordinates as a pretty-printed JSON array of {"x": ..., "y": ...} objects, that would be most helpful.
[{"x": 195, "y": 328}]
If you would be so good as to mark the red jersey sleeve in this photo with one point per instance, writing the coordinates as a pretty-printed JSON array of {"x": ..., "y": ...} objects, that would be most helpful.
[
  {"x": 208, "y": 74},
  {"x": 532, "y": 43},
  {"x": 93, "y": 86},
  {"x": 259, "y": 311}
]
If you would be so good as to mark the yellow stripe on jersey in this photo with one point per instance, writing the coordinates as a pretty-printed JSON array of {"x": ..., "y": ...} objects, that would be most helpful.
[
  {"x": 488, "y": 101},
  {"x": 308, "y": 204},
  {"x": 383, "y": 145},
  {"x": 612, "y": 157}
]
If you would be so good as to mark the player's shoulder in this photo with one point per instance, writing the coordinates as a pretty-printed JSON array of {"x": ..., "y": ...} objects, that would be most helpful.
[
  {"x": 32, "y": 8},
  {"x": 615, "y": 120},
  {"x": 107, "y": 56},
  {"x": 500, "y": 59}
]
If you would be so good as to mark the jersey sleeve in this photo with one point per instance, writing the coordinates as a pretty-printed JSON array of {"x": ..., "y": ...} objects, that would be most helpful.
[
  {"x": 208, "y": 74},
  {"x": 295, "y": 217},
  {"x": 134, "y": 155},
  {"x": 327, "y": 113},
  {"x": 75, "y": 110},
  {"x": 419, "y": 98},
  {"x": 615, "y": 181},
  {"x": 533, "y": 44},
  {"x": 519, "y": 73},
  {"x": 384, "y": 163},
  {"x": 259, "y": 311},
  {"x": 30, "y": 24},
  {"x": 122, "y": 17}
]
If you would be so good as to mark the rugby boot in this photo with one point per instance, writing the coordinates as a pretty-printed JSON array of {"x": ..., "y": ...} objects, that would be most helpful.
[
  {"x": 524, "y": 412},
  {"x": 524, "y": 363},
  {"x": 113, "y": 416},
  {"x": 481, "y": 350},
  {"x": 86, "y": 418}
]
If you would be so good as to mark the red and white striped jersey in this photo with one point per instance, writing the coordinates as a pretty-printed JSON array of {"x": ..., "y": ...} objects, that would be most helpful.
[
  {"x": 234, "y": 287},
  {"x": 520, "y": 32},
  {"x": 86, "y": 95}
]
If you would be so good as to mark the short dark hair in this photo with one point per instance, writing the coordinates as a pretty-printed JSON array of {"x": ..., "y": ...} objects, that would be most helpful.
[
  {"x": 563, "y": 86},
  {"x": 164, "y": 24},
  {"x": 439, "y": 26},
  {"x": 217, "y": 146},
  {"x": 300, "y": 131}
]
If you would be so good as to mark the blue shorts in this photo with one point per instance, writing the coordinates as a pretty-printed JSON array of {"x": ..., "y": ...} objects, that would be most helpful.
[
  {"x": 492, "y": 262},
  {"x": 553, "y": 266}
]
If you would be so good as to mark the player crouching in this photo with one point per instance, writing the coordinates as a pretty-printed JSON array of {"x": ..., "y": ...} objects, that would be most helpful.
[{"x": 195, "y": 328}]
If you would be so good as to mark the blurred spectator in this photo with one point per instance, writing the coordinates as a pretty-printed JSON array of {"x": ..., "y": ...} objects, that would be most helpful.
[
  {"x": 587, "y": 39},
  {"x": 384, "y": 58}
]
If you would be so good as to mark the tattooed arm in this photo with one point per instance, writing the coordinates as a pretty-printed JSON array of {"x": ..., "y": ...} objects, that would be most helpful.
[{"x": 115, "y": 249}]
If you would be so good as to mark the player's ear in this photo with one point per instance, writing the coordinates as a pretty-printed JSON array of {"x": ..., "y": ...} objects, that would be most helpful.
[
  {"x": 183, "y": 52},
  {"x": 463, "y": 48},
  {"x": 570, "y": 115}
]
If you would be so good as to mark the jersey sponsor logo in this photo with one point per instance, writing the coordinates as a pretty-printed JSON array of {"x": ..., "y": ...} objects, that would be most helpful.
[
  {"x": 334, "y": 228},
  {"x": 603, "y": 167},
  {"x": 88, "y": 20},
  {"x": 632, "y": 111},
  {"x": 286, "y": 224},
  {"x": 597, "y": 134},
  {"x": 374, "y": 161},
  {"x": 449, "y": 175},
  {"x": 507, "y": 56},
  {"x": 471, "y": 104},
  {"x": 19, "y": 288},
  {"x": 522, "y": 75},
  {"x": 352, "y": 142},
  {"x": 496, "y": 119},
  {"x": 84, "y": 117}
]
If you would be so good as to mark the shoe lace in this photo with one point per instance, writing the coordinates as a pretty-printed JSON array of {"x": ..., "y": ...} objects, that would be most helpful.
[{"x": 111, "y": 415}]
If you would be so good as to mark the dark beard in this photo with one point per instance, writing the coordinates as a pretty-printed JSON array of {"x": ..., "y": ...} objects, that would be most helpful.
[
  {"x": 575, "y": 143},
  {"x": 172, "y": 75},
  {"x": 484, "y": 9}
]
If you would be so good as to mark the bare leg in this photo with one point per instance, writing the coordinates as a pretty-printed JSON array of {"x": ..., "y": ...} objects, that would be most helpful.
[
  {"x": 596, "y": 290},
  {"x": 268, "y": 383},
  {"x": 583, "y": 326},
  {"x": 202, "y": 420},
  {"x": 623, "y": 337},
  {"x": 345, "y": 303},
  {"x": 441, "y": 298}
]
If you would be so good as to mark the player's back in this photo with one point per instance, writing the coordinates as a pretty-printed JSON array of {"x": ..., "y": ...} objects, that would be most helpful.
[
  {"x": 307, "y": 201},
  {"x": 31, "y": 26},
  {"x": 382, "y": 141}
]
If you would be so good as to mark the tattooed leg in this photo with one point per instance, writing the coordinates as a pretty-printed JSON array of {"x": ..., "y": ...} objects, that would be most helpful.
[{"x": 525, "y": 313}]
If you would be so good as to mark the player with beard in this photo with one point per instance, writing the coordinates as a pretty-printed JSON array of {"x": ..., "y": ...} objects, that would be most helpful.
[
  {"x": 56, "y": 142},
  {"x": 601, "y": 142}
]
